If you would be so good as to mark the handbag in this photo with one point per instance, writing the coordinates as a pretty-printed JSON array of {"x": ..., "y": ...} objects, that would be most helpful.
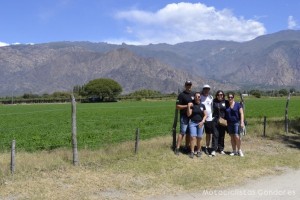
[{"x": 221, "y": 120}]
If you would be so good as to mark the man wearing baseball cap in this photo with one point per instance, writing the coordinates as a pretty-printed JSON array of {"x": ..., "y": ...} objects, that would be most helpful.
[
  {"x": 182, "y": 101},
  {"x": 207, "y": 100}
]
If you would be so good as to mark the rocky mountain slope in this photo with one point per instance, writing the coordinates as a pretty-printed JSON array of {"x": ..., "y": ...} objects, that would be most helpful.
[{"x": 269, "y": 61}]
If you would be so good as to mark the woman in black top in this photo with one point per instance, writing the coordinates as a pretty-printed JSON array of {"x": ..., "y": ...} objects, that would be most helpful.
[
  {"x": 197, "y": 113},
  {"x": 219, "y": 107}
]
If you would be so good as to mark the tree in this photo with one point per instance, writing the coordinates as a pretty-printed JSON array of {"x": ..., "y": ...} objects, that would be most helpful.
[
  {"x": 63, "y": 95},
  {"x": 103, "y": 88},
  {"x": 77, "y": 89},
  {"x": 292, "y": 90},
  {"x": 30, "y": 96},
  {"x": 283, "y": 92},
  {"x": 255, "y": 93},
  {"x": 145, "y": 93}
]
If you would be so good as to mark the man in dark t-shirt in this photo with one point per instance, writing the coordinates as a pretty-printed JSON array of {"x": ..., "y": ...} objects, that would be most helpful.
[{"x": 182, "y": 101}]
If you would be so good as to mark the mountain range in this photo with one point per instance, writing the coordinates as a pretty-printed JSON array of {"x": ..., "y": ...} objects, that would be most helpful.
[{"x": 269, "y": 61}]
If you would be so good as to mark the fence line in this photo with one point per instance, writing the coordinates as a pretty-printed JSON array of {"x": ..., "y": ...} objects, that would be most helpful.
[
  {"x": 102, "y": 141},
  {"x": 107, "y": 138},
  {"x": 62, "y": 122},
  {"x": 101, "y": 133},
  {"x": 53, "y": 142},
  {"x": 12, "y": 160},
  {"x": 74, "y": 132}
]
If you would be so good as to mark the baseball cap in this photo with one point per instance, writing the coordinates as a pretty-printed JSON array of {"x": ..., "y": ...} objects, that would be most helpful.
[
  {"x": 206, "y": 86},
  {"x": 188, "y": 83}
]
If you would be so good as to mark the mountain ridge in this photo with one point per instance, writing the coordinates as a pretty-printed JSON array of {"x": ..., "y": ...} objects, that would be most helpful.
[{"x": 269, "y": 61}]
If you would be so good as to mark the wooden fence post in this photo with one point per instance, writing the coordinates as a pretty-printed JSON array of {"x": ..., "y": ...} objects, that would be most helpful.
[
  {"x": 174, "y": 129},
  {"x": 265, "y": 123},
  {"x": 74, "y": 132},
  {"x": 137, "y": 138},
  {"x": 286, "y": 120},
  {"x": 12, "y": 159},
  {"x": 244, "y": 109}
]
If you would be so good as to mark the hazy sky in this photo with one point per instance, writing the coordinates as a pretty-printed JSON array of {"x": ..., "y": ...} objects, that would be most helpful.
[{"x": 143, "y": 21}]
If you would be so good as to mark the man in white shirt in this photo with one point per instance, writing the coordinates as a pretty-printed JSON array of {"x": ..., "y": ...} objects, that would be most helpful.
[{"x": 207, "y": 100}]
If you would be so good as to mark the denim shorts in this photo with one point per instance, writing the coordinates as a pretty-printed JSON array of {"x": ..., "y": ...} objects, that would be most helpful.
[
  {"x": 195, "y": 130},
  {"x": 184, "y": 122},
  {"x": 234, "y": 128}
]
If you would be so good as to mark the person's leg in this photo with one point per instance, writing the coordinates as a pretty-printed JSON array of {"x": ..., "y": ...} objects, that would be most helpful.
[
  {"x": 199, "y": 139},
  {"x": 200, "y": 131},
  {"x": 187, "y": 138},
  {"x": 221, "y": 141},
  {"x": 193, "y": 133},
  {"x": 207, "y": 142},
  {"x": 234, "y": 129},
  {"x": 179, "y": 140},
  {"x": 215, "y": 138},
  {"x": 237, "y": 141},
  {"x": 233, "y": 143},
  {"x": 183, "y": 128},
  {"x": 208, "y": 137},
  {"x": 192, "y": 145},
  {"x": 185, "y": 122},
  {"x": 238, "y": 144}
]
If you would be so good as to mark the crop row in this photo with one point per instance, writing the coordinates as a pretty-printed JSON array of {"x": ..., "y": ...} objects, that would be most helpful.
[{"x": 48, "y": 126}]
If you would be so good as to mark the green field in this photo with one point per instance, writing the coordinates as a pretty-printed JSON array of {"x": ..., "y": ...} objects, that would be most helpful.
[
  {"x": 48, "y": 126},
  {"x": 272, "y": 107}
]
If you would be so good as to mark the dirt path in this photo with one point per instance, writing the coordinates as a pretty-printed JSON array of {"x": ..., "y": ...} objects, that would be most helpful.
[{"x": 285, "y": 186}]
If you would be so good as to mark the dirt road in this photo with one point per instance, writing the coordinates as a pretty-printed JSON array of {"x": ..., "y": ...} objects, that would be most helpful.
[{"x": 285, "y": 186}]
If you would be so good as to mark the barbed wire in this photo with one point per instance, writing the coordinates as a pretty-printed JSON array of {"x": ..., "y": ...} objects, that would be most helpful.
[
  {"x": 101, "y": 137},
  {"x": 160, "y": 126}
]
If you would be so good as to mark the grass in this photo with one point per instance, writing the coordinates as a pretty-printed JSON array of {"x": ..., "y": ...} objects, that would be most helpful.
[
  {"x": 108, "y": 167},
  {"x": 48, "y": 126},
  {"x": 272, "y": 107},
  {"x": 117, "y": 173}
]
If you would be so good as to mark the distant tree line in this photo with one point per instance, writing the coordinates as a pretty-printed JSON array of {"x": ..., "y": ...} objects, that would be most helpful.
[
  {"x": 147, "y": 94},
  {"x": 108, "y": 90},
  {"x": 97, "y": 90},
  {"x": 272, "y": 93}
]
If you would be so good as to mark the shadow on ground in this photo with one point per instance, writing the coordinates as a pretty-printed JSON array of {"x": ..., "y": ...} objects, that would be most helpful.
[{"x": 292, "y": 139}]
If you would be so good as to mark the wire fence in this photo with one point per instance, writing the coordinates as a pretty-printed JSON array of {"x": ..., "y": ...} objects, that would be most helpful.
[
  {"x": 49, "y": 126},
  {"x": 42, "y": 127}
]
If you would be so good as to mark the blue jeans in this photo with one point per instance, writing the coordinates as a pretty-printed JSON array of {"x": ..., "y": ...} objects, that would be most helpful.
[
  {"x": 184, "y": 122},
  {"x": 195, "y": 129},
  {"x": 234, "y": 128}
]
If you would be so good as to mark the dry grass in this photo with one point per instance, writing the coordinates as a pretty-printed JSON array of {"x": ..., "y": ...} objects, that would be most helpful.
[{"x": 117, "y": 173}]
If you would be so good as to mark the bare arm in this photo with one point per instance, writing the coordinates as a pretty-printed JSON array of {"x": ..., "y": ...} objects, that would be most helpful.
[
  {"x": 189, "y": 109},
  {"x": 242, "y": 117},
  {"x": 181, "y": 107},
  {"x": 204, "y": 118}
]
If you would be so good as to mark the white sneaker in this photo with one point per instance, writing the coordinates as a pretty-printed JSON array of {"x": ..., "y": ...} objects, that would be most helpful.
[
  {"x": 222, "y": 152},
  {"x": 233, "y": 153},
  {"x": 213, "y": 153},
  {"x": 241, "y": 153}
]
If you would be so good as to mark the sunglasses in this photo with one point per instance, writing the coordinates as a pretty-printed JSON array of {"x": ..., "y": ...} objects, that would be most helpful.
[
  {"x": 220, "y": 94},
  {"x": 197, "y": 96},
  {"x": 231, "y": 97}
]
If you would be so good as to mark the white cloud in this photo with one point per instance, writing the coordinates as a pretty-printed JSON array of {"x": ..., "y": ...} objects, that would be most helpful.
[
  {"x": 182, "y": 22},
  {"x": 291, "y": 22},
  {"x": 3, "y": 44}
]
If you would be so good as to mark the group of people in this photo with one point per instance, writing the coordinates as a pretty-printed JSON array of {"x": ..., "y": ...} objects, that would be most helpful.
[{"x": 200, "y": 113}]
